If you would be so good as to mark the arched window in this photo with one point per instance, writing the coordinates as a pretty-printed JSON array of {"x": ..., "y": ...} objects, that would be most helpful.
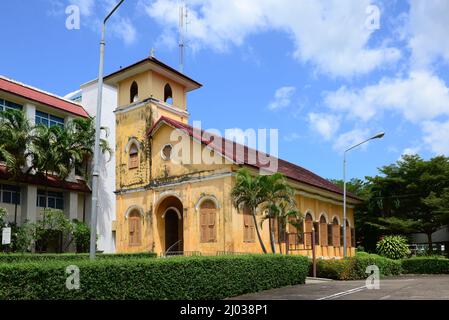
[
  {"x": 249, "y": 231},
  {"x": 134, "y": 92},
  {"x": 168, "y": 94},
  {"x": 135, "y": 228},
  {"x": 323, "y": 231},
  {"x": 133, "y": 162},
  {"x": 308, "y": 224},
  {"x": 335, "y": 232},
  {"x": 208, "y": 228}
]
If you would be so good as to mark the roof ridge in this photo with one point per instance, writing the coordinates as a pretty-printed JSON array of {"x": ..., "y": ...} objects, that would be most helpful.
[
  {"x": 306, "y": 176},
  {"x": 40, "y": 90}
]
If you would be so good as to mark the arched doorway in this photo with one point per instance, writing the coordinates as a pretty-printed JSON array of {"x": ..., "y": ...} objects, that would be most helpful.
[
  {"x": 173, "y": 230},
  {"x": 170, "y": 225}
]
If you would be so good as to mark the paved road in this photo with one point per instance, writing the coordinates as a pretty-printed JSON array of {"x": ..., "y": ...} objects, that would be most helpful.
[{"x": 408, "y": 287}]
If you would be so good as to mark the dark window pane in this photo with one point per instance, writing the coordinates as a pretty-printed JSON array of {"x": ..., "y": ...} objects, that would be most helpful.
[
  {"x": 41, "y": 114},
  {"x": 51, "y": 203},
  {"x": 60, "y": 204},
  {"x": 7, "y": 197},
  {"x": 16, "y": 198},
  {"x": 41, "y": 202}
]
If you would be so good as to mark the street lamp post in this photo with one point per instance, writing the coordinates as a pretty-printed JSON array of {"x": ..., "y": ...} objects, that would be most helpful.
[
  {"x": 377, "y": 136},
  {"x": 95, "y": 171}
]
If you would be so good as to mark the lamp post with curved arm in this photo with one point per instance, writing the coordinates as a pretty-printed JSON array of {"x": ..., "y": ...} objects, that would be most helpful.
[
  {"x": 95, "y": 171},
  {"x": 377, "y": 136}
]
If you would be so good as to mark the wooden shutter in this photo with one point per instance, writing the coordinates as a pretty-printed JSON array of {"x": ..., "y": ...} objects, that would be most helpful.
[
  {"x": 248, "y": 226},
  {"x": 348, "y": 236},
  {"x": 203, "y": 226},
  {"x": 131, "y": 231},
  {"x": 353, "y": 237},
  {"x": 307, "y": 231},
  {"x": 323, "y": 234},
  {"x": 341, "y": 236},
  {"x": 316, "y": 226},
  {"x": 133, "y": 161},
  {"x": 135, "y": 236},
  {"x": 211, "y": 225},
  {"x": 329, "y": 234},
  {"x": 336, "y": 235}
]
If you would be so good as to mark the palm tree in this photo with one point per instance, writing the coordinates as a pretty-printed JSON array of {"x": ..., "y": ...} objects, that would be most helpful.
[
  {"x": 15, "y": 138},
  {"x": 82, "y": 132},
  {"x": 283, "y": 213},
  {"x": 276, "y": 190},
  {"x": 248, "y": 193}
]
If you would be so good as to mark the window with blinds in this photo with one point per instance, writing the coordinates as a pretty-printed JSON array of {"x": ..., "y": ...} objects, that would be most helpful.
[
  {"x": 135, "y": 229},
  {"x": 335, "y": 233},
  {"x": 249, "y": 232},
  {"x": 133, "y": 162},
  {"x": 208, "y": 229},
  {"x": 308, "y": 224},
  {"x": 323, "y": 231}
]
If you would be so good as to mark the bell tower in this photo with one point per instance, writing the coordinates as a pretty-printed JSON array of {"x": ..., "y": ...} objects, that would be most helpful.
[{"x": 146, "y": 90}]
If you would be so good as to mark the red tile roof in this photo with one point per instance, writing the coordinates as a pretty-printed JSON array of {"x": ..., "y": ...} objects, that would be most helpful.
[
  {"x": 39, "y": 96},
  {"x": 157, "y": 62},
  {"x": 218, "y": 144},
  {"x": 51, "y": 182}
]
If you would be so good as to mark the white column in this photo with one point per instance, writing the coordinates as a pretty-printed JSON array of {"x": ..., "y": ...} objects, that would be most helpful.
[
  {"x": 71, "y": 205},
  {"x": 30, "y": 112},
  {"x": 29, "y": 208}
]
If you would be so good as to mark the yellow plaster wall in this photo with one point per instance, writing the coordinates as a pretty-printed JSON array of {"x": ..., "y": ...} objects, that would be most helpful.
[
  {"x": 151, "y": 84},
  {"x": 144, "y": 84},
  {"x": 186, "y": 182}
]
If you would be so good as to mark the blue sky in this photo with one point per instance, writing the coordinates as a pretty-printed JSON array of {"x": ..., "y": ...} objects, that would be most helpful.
[{"x": 321, "y": 72}]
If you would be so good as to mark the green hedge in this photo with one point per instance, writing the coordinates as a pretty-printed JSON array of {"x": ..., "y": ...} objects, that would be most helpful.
[
  {"x": 170, "y": 278},
  {"x": 28, "y": 257},
  {"x": 426, "y": 265},
  {"x": 354, "y": 268}
]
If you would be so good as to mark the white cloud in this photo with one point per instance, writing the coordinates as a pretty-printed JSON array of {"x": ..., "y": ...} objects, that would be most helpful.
[
  {"x": 411, "y": 151},
  {"x": 436, "y": 136},
  {"x": 92, "y": 15},
  {"x": 350, "y": 138},
  {"x": 325, "y": 124},
  {"x": 86, "y": 6},
  {"x": 292, "y": 137},
  {"x": 329, "y": 34},
  {"x": 421, "y": 96},
  {"x": 282, "y": 98},
  {"x": 125, "y": 30},
  {"x": 428, "y": 27}
]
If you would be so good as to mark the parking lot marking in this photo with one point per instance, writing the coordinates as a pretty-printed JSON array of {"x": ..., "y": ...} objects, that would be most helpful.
[{"x": 343, "y": 293}]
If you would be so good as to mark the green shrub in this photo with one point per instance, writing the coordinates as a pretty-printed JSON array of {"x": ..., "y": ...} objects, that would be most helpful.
[
  {"x": 28, "y": 257},
  {"x": 153, "y": 279},
  {"x": 354, "y": 268},
  {"x": 393, "y": 247},
  {"x": 81, "y": 236},
  {"x": 426, "y": 265}
]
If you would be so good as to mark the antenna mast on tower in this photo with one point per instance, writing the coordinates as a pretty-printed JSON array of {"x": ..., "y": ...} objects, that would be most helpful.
[{"x": 182, "y": 24}]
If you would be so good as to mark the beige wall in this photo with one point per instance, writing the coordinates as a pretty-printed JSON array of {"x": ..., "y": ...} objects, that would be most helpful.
[
  {"x": 158, "y": 184},
  {"x": 151, "y": 84}
]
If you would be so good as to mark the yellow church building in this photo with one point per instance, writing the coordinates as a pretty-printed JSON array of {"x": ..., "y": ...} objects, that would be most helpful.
[{"x": 168, "y": 206}]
